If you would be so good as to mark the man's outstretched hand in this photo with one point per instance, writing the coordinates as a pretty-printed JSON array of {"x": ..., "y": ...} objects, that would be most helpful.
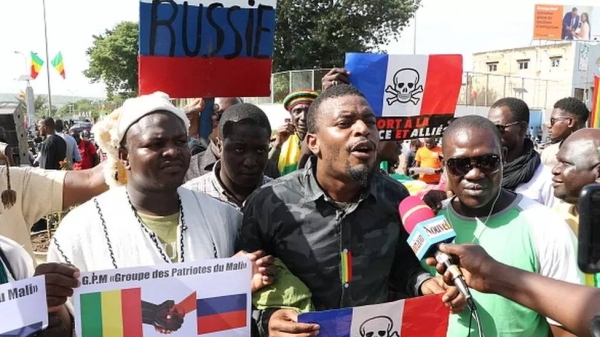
[{"x": 475, "y": 264}]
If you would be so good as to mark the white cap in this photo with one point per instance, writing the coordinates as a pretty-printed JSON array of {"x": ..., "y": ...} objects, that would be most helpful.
[{"x": 135, "y": 108}]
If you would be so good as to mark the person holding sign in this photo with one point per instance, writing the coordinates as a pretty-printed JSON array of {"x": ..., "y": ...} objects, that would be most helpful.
[
  {"x": 16, "y": 264},
  {"x": 147, "y": 218},
  {"x": 193, "y": 110},
  {"x": 335, "y": 224}
]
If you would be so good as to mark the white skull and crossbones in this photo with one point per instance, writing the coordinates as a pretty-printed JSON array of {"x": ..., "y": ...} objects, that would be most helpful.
[
  {"x": 406, "y": 87},
  {"x": 380, "y": 326}
]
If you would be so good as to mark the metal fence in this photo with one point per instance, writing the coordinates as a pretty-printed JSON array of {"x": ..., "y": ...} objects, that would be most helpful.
[{"x": 479, "y": 89}]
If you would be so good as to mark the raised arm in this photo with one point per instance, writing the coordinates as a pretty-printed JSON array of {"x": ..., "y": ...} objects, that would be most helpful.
[{"x": 80, "y": 186}]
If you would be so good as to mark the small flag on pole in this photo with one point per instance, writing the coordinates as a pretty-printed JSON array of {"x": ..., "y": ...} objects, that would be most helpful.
[
  {"x": 59, "y": 65},
  {"x": 36, "y": 65}
]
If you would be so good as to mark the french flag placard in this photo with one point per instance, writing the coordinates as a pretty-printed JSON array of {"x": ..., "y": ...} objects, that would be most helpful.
[
  {"x": 413, "y": 96},
  {"x": 204, "y": 48},
  {"x": 422, "y": 316}
]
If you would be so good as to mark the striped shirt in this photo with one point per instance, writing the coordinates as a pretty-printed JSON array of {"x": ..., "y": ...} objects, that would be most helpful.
[{"x": 211, "y": 184}]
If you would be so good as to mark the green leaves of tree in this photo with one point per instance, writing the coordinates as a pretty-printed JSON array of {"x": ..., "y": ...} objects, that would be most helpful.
[{"x": 113, "y": 60}]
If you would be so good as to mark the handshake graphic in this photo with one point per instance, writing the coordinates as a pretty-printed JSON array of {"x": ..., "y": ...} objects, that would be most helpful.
[{"x": 166, "y": 317}]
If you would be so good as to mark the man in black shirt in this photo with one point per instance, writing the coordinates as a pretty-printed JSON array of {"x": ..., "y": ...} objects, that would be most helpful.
[
  {"x": 54, "y": 149},
  {"x": 335, "y": 224}
]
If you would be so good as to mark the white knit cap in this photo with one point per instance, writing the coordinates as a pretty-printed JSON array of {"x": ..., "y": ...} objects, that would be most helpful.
[
  {"x": 135, "y": 108},
  {"x": 109, "y": 132}
]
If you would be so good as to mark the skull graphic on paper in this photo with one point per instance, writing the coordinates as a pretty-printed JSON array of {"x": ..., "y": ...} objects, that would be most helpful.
[
  {"x": 379, "y": 326},
  {"x": 406, "y": 87}
]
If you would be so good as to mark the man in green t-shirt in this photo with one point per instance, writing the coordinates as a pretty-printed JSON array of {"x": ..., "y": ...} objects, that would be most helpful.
[{"x": 512, "y": 228}]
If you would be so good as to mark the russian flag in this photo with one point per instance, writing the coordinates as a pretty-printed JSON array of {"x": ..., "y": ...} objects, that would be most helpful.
[
  {"x": 422, "y": 316},
  {"x": 222, "y": 313},
  {"x": 200, "y": 48},
  {"x": 407, "y": 85}
]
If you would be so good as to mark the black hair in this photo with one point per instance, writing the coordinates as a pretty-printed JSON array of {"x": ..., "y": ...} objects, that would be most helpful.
[
  {"x": 49, "y": 122},
  {"x": 518, "y": 108},
  {"x": 574, "y": 107},
  {"x": 332, "y": 92},
  {"x": 470, "y": 123},
  {"x": 59, "y": 126},
  {"x": 242, "y": 113}
]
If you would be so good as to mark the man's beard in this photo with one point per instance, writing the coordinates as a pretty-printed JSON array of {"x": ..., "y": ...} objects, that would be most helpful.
[{"x": 362, "y": 174}]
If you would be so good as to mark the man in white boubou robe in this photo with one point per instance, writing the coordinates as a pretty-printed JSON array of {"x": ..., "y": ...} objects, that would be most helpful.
[{"x": 147, "y": 218}]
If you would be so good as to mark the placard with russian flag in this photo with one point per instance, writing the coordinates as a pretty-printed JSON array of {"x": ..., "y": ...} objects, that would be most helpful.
[
  {"x": 204, "y": 48},
  {"x": 23, "y": 309},
  {"x": 206, "y": 298},
  {"x": 413, "y": 96},
  {"x": 425, "y": 316}
]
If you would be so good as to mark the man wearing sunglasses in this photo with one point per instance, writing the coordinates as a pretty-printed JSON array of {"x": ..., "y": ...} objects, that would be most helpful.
[
  {"x": 569, "y": 115},
  {"x": 523, "y": 171},
  {"x": 512, "y": 228}
]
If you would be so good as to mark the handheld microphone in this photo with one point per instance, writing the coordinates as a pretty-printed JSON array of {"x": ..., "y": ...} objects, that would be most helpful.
[{"x": 427, "y": 231}]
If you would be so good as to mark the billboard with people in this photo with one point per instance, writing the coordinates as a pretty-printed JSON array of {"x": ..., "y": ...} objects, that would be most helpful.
[{"x": 568, "y": 22}]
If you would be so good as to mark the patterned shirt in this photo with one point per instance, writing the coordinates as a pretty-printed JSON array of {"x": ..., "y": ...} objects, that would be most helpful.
[
  {"x": 211, "y": 185},
  {"x": 348, "y": 255}
]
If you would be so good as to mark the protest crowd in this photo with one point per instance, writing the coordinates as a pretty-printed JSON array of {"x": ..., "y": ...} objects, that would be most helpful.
[
  {"x": 315, "y": 208},
  {"x": 321, "y": 226}
]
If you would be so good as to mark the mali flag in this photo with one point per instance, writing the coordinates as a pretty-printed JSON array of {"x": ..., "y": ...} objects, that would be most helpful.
[
  {"x": 116, "y": 313},
  {"x": 290, "y": 155},
  {"x": 59, "y": 65},
  {"x": 36, "y": 65},
  {"x": 595, "y": 117}
]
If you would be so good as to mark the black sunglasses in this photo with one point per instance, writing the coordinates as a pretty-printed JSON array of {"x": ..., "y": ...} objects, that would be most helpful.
[
  {"x": 487, "y": 163},
  {"x": 502, "y": 127}
]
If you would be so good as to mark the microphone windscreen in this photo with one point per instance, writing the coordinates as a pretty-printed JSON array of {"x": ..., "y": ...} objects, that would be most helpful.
[{"x": 412, "y": 211}]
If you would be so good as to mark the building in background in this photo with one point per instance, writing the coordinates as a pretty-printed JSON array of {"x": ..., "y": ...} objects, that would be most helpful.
[{"x": 540, "y": 75}]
